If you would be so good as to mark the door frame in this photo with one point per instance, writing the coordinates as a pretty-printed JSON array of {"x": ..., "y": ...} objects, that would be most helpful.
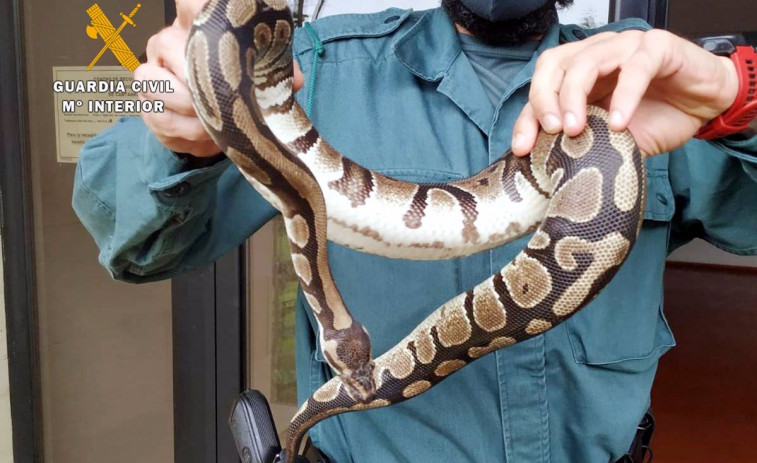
[
  {"x": 210, "y": 357},
  {"x": 655, "y": 12},
  {"x": 16, "y": 228},
  {"x": 209, "y": 312}
]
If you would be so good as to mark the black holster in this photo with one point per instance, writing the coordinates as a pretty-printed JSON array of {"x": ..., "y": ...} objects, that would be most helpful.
[
  {"x": 641, "y": 451},
  {"x": 254, "y": 432}
]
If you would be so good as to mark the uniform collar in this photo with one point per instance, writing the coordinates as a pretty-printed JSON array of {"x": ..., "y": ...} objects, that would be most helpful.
[
  {"x": 430, "y": 46},
  {"x": 431, "y": 50}
]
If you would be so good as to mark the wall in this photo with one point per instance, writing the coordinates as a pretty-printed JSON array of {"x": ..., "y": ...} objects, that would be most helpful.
[
  {"x": 6, "y": 431},
  {"x": 699, "y": 251},
  {"x": 105, "y": 347},
  {"x": 697, "y": 18}
]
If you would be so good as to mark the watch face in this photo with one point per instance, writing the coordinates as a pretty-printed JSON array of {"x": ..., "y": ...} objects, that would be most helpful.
[
  {"x": 751, "y": 38},
  {"x": 723, "y": 45}
]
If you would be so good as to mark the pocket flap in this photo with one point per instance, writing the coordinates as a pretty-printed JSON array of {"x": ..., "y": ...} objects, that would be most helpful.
[{"x": 660, "y": 203}]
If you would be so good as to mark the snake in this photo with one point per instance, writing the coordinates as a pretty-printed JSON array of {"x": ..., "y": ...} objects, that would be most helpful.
[{"x": 581, "y": 198}]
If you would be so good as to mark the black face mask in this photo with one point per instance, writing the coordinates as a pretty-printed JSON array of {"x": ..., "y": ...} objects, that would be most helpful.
[
  {"x": 506, "y": 32},
  {"x": 503, "y": 10}
]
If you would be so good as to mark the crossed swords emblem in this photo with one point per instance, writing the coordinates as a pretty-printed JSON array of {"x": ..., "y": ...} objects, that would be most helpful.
[{"x": 112, "y": 37}]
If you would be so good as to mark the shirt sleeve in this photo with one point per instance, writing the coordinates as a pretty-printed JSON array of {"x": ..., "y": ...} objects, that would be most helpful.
[
  {"x": 715, "y": 186},
  {"x": 151, "y": 214}
]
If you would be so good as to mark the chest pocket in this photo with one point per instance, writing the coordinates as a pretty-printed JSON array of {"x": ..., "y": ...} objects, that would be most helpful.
[{"x": 625, "y": 328}]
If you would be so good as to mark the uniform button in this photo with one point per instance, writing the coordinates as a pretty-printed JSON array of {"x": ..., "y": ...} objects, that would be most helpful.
[
  {"x": 391, "y": 19},
  {"x": 661, "y": 198},
  {"x": 579, "y": 33},
  {"x": 177, "y": 190}
]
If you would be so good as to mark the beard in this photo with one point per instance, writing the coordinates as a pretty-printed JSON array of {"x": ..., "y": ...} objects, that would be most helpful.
[{"x": 502, "y": 33}]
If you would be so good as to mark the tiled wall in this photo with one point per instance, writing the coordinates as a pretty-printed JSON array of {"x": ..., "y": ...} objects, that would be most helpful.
[{"x": 6, "y": 437}]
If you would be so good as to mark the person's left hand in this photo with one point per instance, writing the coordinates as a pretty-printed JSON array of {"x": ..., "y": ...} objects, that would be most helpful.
[{"x": 661, "y": 87}]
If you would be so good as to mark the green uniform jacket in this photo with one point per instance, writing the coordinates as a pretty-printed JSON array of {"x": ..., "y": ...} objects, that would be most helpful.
[{"x": 393, "y": 92}]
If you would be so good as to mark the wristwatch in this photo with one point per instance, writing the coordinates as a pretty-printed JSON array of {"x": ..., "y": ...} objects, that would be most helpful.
[{"x": 735, "y": 119}]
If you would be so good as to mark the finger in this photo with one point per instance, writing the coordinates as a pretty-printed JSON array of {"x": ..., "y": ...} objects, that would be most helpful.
[
  {"x": 577, "y": 84},
  {"x": 545, "y": 85},
  {"x": 153, "y": 49},
  {"x": 548, "y": 79},
  {"x": 166, "y": 49},
  {"x": 179, "y": 101},
  {"x": 634, "y": 79},
  {"x": 186, "y": 12},
  {"x": 298, "y": 79},
  {"x": 584, "y": 70},
  {"x": 172, "y": 55},
  {"x": 169, "y": 124},
  {"x": 525, "y": 131}
]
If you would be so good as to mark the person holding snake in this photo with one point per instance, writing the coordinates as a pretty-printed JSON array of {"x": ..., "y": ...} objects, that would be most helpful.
[{"x": 433, "y": 97}]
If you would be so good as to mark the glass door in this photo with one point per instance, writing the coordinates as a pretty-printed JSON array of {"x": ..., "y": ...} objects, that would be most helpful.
[
  {"x": 273, "y": 296},
  {"x": 104, "y": 347}
]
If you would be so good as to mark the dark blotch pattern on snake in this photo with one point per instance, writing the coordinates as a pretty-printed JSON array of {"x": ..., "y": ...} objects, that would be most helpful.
[{"x": 582, "y": 196}]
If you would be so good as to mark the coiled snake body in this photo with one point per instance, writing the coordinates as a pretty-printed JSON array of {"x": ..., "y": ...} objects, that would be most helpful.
[{"x": 582, "y": 196}]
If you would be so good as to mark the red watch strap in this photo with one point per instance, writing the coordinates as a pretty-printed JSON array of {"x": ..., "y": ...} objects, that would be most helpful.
[{"x": 737, "y": 118}]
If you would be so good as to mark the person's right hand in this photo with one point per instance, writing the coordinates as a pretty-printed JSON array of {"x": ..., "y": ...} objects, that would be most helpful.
[{"x": 178, "y": 127}]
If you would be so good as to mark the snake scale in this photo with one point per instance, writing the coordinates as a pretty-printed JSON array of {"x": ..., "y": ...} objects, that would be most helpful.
[{"x": 582, "y": 198}]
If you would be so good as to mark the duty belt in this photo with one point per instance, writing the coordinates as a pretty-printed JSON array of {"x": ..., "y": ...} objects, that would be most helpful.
[{"x": 255, "y": 434}]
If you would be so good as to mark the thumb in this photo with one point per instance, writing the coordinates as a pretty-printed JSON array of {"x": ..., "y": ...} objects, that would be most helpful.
[{"x": 299, "y": 80}]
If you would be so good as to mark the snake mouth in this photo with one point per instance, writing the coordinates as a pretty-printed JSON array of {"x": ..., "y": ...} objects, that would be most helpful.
[
  {"x": 360, "y": 384},
  {"x": 350, "y": 358}
]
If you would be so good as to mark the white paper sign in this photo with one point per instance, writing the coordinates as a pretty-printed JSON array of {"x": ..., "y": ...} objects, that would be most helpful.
[{"x": 77, "y": 116}]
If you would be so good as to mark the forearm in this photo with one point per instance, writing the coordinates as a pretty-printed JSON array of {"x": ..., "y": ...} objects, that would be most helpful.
[{"x": 154, "y": 216}]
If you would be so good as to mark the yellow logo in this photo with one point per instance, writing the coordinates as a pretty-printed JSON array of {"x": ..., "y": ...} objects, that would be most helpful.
[{"x": 111, "y": 36}]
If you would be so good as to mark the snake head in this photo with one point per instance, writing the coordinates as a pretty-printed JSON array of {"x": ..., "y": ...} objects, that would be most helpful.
[
  {"x": 351, "y": 359},
  {"x": 360, "y": 384},
  {"x": 355, "y": 352}
]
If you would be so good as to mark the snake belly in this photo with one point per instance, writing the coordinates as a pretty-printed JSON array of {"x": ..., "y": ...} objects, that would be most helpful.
[{"x": 582, "y": 197}]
